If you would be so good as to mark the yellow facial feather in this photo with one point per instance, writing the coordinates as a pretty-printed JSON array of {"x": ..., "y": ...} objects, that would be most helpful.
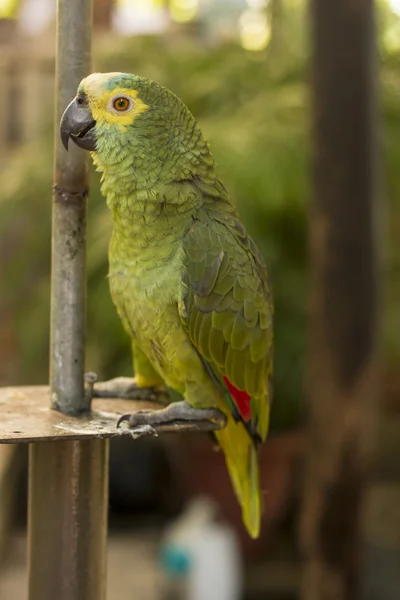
[{"x": 101, "y": 101}]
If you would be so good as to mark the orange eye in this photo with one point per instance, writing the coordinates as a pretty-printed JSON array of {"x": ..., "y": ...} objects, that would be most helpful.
[{"x": 121, "y": 104}]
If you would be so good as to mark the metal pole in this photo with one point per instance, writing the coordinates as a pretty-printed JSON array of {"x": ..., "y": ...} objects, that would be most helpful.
[
  {"x": 68, "y": 481},
  {"x": 67, "y": 515},
  {"x": 342, "y": 386},
  {"x": 68, "y": 291}
]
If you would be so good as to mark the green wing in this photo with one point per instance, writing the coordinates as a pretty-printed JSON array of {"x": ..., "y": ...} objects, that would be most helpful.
[{"x": 227, "y": 306}]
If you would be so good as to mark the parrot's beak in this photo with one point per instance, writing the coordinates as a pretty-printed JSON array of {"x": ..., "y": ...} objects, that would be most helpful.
[{"x": 78, "y": 124}]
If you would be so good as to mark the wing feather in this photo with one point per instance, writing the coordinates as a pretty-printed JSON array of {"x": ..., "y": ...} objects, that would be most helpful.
[{"x": 227, "y": 305}]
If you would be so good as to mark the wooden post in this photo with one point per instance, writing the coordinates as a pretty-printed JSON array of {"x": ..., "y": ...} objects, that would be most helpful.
[
  {"x": 68, "y": 480},
  {"x": 103, "y": 14},
  {"x": 342, "y": 385}
]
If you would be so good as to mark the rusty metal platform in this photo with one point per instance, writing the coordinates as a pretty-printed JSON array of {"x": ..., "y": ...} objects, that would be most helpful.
[{"x": 25, "y": 417}]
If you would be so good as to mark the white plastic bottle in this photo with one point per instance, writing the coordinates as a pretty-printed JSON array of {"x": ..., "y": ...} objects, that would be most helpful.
[{"x": 200, "y": 557}]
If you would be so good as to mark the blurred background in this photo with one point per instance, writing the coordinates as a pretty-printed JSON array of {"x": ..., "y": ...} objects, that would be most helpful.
[{"x": 242, "y": 67}]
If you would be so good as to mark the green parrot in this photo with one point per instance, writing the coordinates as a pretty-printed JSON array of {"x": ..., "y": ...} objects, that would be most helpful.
[{"x": 188, "y": 282}]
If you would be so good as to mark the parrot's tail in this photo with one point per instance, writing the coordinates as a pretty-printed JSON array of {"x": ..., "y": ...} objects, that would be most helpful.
[{"x": 242, "y": 462}]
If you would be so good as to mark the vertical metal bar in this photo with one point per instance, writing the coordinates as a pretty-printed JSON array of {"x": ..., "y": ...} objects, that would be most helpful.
[
  {"x": 344, "y": 303},
  {"x": 68, "y": 294},
  {"x": 68, "y": 481},
  {"x": 68, "y": 488}
]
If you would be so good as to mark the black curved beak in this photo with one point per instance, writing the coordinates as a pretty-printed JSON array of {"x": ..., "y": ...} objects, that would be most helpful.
[{"x": 78, "y": 124}]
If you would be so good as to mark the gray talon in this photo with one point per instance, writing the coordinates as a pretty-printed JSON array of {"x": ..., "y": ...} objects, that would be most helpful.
[
  {"x": 123, "y": 419},
  {"x": 89, "y": 379}
]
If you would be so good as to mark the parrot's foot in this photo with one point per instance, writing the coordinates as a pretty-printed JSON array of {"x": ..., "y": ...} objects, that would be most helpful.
[
  {"x": 123, "y": 387},
  {"x": 177, "y": 411}
]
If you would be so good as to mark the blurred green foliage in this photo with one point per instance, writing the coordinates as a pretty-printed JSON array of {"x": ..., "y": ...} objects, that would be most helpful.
[{"x": 254, "y": 111}]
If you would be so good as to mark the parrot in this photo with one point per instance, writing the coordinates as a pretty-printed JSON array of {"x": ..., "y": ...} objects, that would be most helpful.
[{"x": 188, "y": 282}]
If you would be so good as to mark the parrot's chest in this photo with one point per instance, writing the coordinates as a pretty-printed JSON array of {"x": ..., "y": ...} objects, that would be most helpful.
[
  {"x": 146, "y": 292},
  {"x": 147, "y": 300},
  {"x": 147, "y": 289}
]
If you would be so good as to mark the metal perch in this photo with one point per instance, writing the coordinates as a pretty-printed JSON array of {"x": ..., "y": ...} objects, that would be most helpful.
[{"x": 25, "y": 417}]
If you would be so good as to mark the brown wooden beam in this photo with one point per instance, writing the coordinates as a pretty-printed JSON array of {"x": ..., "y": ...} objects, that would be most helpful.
[{"x": 342, "y": 382}]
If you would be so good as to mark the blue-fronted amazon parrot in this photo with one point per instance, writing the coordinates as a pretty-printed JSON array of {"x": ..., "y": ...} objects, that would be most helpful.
[{"x": 188, "y": 282}]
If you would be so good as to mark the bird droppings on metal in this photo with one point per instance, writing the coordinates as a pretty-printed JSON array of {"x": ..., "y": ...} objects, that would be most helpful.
[{"x": 139, "y": 431}]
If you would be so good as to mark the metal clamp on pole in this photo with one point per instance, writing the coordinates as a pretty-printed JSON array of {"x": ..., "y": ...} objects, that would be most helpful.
[{"x": 68, "y": 480}]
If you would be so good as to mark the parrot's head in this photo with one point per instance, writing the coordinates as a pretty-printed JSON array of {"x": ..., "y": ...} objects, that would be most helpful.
[{"x": 123, "y": 117}]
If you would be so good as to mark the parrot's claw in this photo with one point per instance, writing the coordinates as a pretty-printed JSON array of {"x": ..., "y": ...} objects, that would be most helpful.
[
  {"x": 123, "y": 387},
  {"x": 89, "y": 379},
  {"x": 178, "y": 411}
]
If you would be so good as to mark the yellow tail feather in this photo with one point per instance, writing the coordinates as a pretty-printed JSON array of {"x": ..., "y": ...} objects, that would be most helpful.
[{"x": 242, "y": 463}]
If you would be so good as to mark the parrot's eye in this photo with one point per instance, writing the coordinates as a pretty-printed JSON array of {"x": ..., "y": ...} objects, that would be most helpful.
[{"x": 122, "y": 104}]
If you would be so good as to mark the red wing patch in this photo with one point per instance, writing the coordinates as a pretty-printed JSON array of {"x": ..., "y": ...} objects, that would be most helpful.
[{"x": 241, "y": 399}]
